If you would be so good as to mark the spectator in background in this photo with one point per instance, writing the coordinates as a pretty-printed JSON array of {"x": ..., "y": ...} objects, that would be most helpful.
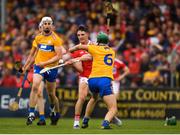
[
  {"x": 1, "y": 71},
  {"x": 134, "y": 67},
  {"x": 144, "y": 63},
  {"x": 8, "y": 80},
  {"x": 152, "y": 77},
  {"x": 71, "y": 79}
]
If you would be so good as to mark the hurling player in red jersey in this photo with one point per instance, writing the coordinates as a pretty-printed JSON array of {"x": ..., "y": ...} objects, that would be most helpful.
[
  {"x": 83, "y": 91},
  {"x": 118, "y": 67},
  {"x": 84, "y": 68}
]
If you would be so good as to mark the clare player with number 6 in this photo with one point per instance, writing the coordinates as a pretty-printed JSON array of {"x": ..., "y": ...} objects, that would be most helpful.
[{"x": 101, "y": 74}]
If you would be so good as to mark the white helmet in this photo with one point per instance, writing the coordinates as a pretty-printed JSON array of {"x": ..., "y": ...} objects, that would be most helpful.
[
  {"x": 46, "y": 19},
  {"x": 40, "y": 24}
]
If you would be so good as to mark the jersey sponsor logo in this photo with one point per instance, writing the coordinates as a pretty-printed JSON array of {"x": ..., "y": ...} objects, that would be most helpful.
[
  {"x": 43, "y": 47},
  {"x": 46, "y": 48}
]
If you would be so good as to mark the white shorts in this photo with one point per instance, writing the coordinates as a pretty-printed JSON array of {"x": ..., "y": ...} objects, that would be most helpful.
[
  {"x": 116, "y": 87},
  {"x": 83, "y": 79}
]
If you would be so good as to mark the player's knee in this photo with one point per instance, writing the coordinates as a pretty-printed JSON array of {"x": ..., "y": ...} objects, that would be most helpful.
[
  {"x": 39, "y": 95},
  {"x": 114, "y": 109},
  {"x": 94, "y": 99},
  {"x": 35, "y": 89},
  {"x": 51, "y": 94},
  {"x": 82, "y": 98}
]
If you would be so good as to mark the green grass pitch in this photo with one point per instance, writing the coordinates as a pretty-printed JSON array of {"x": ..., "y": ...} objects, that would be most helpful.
[{"x": 18, "y": 126}]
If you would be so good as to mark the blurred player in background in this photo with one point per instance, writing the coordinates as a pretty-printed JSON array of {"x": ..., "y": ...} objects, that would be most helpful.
[
  {"x": 118, "y": 76},
  {"x": 102, "y": 74},
  {"x": 118, "y": 67},
  {"x": 47, "y": 49},
  {"x": 85, "y": 69}
]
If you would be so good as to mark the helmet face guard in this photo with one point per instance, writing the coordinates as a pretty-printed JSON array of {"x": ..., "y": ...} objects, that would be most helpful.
[{"x": 102, "y": 38}]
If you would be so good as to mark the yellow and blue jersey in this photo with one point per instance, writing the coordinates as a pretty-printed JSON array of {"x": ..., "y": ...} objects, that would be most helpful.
[
  {"x": 46, "y": 47},
  {"x": 103, "y": 61}
]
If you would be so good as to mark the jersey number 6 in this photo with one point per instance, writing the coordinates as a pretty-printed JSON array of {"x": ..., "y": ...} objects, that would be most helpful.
[{"x": 108, "y": 59}]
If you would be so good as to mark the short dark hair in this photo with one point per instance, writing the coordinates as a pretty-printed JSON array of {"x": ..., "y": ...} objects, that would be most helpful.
[{"x": 82, "y": 28}]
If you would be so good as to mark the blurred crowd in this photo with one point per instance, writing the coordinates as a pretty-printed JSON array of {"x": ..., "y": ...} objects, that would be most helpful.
[{"x": 144, "y": 33}]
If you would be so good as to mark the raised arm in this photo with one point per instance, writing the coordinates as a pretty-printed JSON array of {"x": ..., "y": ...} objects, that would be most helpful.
[{"x": 78, "y": 47}]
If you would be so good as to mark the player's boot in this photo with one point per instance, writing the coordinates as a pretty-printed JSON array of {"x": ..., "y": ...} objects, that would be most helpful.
[
  {"x": 76, "y": 127},
  {"x": 76, "y": 124},
  {"x": 30, "y": 119},
  {"x": 41, "y": 123},
  {"x": 105, "y": 125},
  {"x": 54, "y": 118},
  {"x": 117, "y": 121},
  {"x": 85, "y": 122}
]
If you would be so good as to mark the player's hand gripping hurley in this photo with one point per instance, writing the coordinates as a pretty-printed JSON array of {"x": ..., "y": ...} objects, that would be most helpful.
[{"x": 58, "y": 66}]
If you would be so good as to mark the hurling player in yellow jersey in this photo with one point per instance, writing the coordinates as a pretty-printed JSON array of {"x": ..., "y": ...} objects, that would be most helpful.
[
  {"x": 47, "y": 49},
  {"x": 102, "y": 74},
  {"x": 40, "y": 100}
]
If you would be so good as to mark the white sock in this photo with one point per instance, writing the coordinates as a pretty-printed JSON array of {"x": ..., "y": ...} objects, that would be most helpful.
[
  {"x": 117, "y": 121},
  {"x": 116, "y": 118},
  {"x": 76, "y": 122},
  {"x": 31, "y": 114}
]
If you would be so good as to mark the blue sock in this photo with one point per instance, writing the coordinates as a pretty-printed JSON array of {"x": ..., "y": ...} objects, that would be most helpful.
[
  {"x": 105, "y": 123},
  {"x": 85, "y": 120},
  {"x": 41, "y": 117},
  {"x": 58, "y": 115},
  {"x": 31, "y": 109}
]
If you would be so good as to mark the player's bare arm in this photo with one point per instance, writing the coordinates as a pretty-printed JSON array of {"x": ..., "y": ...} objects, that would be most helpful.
[
  {"x": 125, "y": 73},
  {"x": 30, "y": 59},
  {"x": 78, "y": 47},
  {"x": 77, "y": 64},
  {"x": 66, "y": 57},
  {"x": 85, "y": 57},
  {"x": 63, "y": 50}
]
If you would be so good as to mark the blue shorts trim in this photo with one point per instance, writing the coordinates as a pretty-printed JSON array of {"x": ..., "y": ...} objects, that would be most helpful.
[
  {"x": 100, "y": 85},
  {"x": 50, "y": 75}
]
